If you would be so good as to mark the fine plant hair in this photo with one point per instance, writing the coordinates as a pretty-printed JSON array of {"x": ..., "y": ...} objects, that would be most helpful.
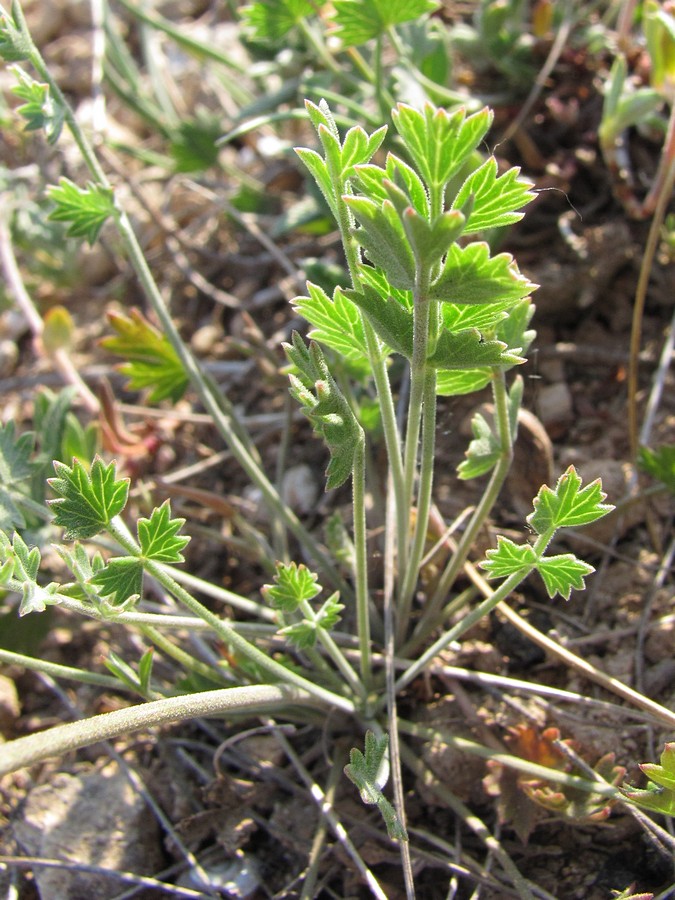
[{"x": 431, "y": 310}]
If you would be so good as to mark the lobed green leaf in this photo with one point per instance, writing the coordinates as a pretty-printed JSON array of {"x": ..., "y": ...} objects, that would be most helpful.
[
  {"x": 86, "y": 209},
  {"x": 319, "y": 172},
  {"x": 151, "y": 364},
  {"x": 293, "y": 585},
  {"x": 471, "y": 276},
  {"x": 39, "y": 109},
  {"x": 469, "y": 350},
  {"x": 563, "y": 572},
  {"x": 158, "y": 536},
  {"x": 358, "y": 21},
  {"x": 121, "y": 580},
  {"x": 568, "y": 505},
  {"x": 86, "y": 502},
  {"x": 492, "y": 201},
  {"x": 382, "y": 236},
  {"x": 336, "y": 323},
  {"x": 508, "y": 557},
  {"x": 430, "y": 241},
  {"x": 270, "y": 21},
  {"x": 392, "y": 322},
  {"x": 440, "y": 142}
]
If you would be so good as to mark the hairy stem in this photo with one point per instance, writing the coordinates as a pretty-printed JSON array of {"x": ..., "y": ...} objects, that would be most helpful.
[
  {"x": 482, "y": 511},
  {"x": 26, "y": 751}
]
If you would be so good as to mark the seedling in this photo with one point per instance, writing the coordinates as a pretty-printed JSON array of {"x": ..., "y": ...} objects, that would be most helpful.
[{"x": 426, "y": 295}]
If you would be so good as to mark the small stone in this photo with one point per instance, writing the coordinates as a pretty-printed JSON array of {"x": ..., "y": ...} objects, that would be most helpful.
[
  {"x": 92, "y": 818},
  {"x": 9, "y": 357},
  {"x": 660, "y": 643},
  {"x": 299, "y": 489},
  {"x": 205, "y": 338},
  {"x": 555, "y": 408}
]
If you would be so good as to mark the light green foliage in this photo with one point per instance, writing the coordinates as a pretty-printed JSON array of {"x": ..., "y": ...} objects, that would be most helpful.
[
  {"x": 562, "y": 573},
  {"x": 15, "y": 472},
  {"x": 19, "y": 572},
  {"x": 359, "y": 21},
  {"x": 455, "y": 311},
  {"x": 269, "y": 21},
  {"x": 138, "y": 681},
  {"x": 567, "y": 506},
  {"x": 471, "y": 276},
  {"x": 15, "y": 43},
  {"x": 336, "y": 323},
  {"x": 369, "y": 771},
  {"x": 440, "y": 142},
  {"x": 341, "y": 159},
  {"x": 486, "y": 448},
  {"x": 158, "y": 536},
  {"x": 121, "y": 579},
  {"x": 295, "y": 587},
  {"x": 468, "y": 349},
  {"x": 409, "y": 237},
  {"x": 81, "y": 565},
  {"x": 660, "y": 464},
  {"x": 305, "y": 633},
  {"x": 624, "y": 106},
  {"x": 659, "y": 29},
  {"x": 152, "y": 363},
  {"x": 86, "y": 501},
  {"x": 492, "y": 200},
  {"x": 659, "y": 795},
  {"x": 327, "y": 409},
  {"x": 86, "y": 209},
  {"x": 294, "y": 584},
  {"x": 39, "y": 109}
]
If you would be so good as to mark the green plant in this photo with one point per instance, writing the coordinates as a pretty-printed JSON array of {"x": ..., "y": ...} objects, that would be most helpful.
[{"x": 454, "y": 313}]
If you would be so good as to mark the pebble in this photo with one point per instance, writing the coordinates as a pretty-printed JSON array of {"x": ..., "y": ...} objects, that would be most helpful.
[{"x": 93, "y": 817}]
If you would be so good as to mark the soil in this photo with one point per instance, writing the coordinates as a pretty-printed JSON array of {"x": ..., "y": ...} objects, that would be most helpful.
[{"x": 234, "y": 802}]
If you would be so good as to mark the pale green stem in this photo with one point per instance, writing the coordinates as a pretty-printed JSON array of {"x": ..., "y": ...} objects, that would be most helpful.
[
  {"x": 334, "y": 652},
  {"x": 487, "y": 501},
  {"x": 214, "y": 402},
  {"x": 157, "y": 620},
  {"x": 379, "y": 80},
  {"x": 361, "y": 564},
  {"x": 58, "y": 671},
  {"x": 322, "y": 667},
  {"x": 392, "y": 440},
  {"x": 26, "y": 751},
  {"x": 376, "y": 357},
  {"x": 186, "y": 660},
  {"x": 239, "y": 644},
  {"x": 418, "y": 384},
  {"x": 424, "y": 495}
]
